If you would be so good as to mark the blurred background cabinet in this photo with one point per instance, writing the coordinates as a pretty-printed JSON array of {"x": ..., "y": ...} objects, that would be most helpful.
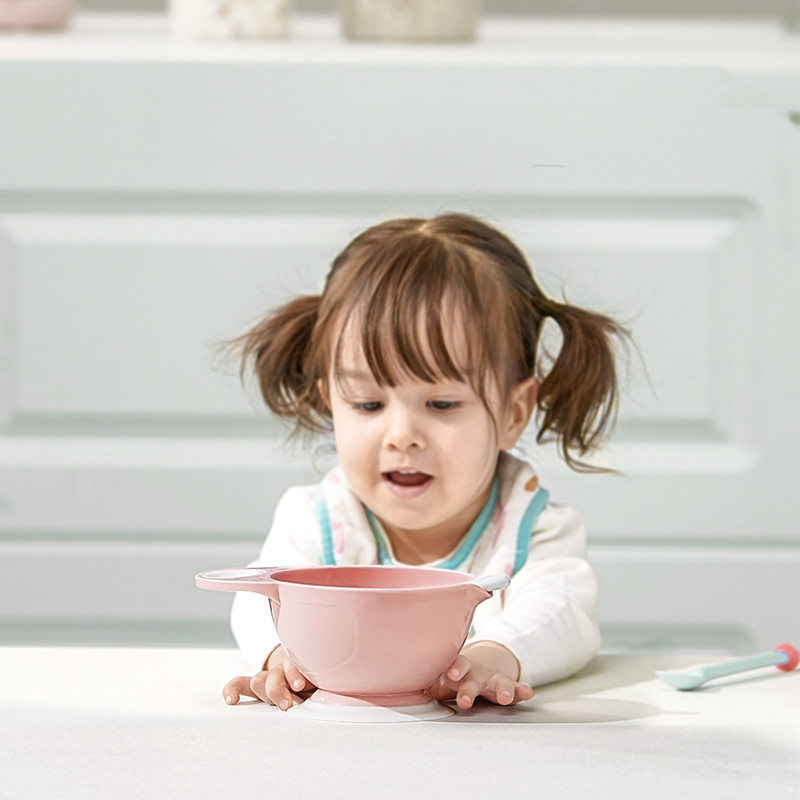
[{"x": 155, "y": 197}]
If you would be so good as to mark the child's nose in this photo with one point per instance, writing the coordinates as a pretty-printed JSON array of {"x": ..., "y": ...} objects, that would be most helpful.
[{"x": 403, "y": 432}]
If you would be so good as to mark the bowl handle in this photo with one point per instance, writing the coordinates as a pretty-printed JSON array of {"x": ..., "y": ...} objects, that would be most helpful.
[{"x": 246, "y": 579}]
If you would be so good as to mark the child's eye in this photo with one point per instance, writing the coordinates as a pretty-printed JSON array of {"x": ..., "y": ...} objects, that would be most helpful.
[
  {"x": 443, "y": 405},
  {"x": 371, "y": 405}
]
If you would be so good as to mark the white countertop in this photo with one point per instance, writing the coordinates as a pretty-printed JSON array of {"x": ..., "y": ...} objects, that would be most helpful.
[
  {"x": 134, "y": 723},
  {"x": 145, "y": 37}
]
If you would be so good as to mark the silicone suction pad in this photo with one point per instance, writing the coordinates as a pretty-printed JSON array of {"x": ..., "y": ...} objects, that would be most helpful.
[{"x": 794, "y": 657}]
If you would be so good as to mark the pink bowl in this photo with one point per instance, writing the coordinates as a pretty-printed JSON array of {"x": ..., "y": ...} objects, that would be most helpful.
[{"x": 366, "y": 630}]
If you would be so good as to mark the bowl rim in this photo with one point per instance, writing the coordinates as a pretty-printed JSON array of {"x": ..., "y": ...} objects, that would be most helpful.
[{"x": 459, "y": 578}]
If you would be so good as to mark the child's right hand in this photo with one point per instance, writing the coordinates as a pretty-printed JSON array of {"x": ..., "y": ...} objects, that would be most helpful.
[{"x": 279, "y": 683}]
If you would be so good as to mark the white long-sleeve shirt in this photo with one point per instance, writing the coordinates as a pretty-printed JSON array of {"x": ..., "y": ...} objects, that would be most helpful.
[{"x": 547, "y": 617}]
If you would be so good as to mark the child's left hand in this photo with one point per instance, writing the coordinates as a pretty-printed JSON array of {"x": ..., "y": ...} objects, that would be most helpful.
[{"x": 482, "y": 669}]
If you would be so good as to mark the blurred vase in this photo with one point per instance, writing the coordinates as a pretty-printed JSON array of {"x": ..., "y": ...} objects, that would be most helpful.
[
  {"x": 35, "y": 13},
  {"x": 410, "y": 20},
  {"x": 230, "y": 19}
]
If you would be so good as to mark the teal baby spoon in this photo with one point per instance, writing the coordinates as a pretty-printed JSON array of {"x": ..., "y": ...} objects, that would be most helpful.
[{"x": 784, "y": 657}]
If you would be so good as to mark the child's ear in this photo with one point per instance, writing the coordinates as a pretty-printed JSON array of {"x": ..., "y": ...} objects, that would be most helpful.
[{"x": 521, "y": 405}]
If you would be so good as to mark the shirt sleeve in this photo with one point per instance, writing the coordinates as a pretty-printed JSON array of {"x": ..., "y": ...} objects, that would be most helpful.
[
  {"x": 549, "y": 615},
  {"x": 293, "y": 541}
]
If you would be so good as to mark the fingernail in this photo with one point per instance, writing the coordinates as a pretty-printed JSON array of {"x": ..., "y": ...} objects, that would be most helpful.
[
  {"x": 284, "y": 704},
  {"x": 228, "y": 699},
  {"x": 297, "y": 683},
  {"x": 454, "y": 673},
  {"x": 506, "y": 696}
]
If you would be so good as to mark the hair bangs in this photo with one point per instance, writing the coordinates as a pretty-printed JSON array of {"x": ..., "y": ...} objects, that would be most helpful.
[{"x": 409, "y": 312}]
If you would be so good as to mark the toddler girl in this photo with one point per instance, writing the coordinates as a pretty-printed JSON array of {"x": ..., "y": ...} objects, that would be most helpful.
[{"x": 420, "y": 353}]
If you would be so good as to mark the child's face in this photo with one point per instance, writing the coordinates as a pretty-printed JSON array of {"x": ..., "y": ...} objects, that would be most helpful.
[{"x": 422, "y": 456}]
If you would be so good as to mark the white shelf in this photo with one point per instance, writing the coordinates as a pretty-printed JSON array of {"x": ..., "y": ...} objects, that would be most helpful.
[{"x": 146, "y": 38}]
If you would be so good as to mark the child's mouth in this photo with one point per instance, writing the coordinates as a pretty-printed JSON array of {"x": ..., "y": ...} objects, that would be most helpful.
[
  {"x": 407, "y": 478},
  {"x": 407, "y": 483}
]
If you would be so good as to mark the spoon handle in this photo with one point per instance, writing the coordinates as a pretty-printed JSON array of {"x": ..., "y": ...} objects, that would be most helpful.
[
  {"x": 493, "y": 583},
  {"x": 782, "y": 657}
]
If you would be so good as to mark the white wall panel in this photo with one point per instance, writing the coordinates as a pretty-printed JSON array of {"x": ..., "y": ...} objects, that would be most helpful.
[
  {"x": 669, "y": 279},
  {"x": 731, "y": 599},
  {"x": 123, "y": 315},
  {"x": 154, "y": 497},
  {"x": 154, "y": 199}
]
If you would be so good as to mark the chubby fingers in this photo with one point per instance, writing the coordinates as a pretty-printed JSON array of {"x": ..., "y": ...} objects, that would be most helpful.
[
  {"x": 446, "y": 687},
  {"x": 466, "y": 682},
  {"x": 238, "y": 687},
  {"x": 281, "y": 685},
  {"x": 499, "y": 689},
  {"x": 458, "y": 669},
  {"x": 284, "y": 685},
  {"x": 502, "y": 690},
  {"x": 295, "y": 679},
  {"x": 276, "y": 689}
]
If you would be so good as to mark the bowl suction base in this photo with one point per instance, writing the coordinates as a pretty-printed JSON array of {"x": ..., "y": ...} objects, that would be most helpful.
[{"x": 330, "y": 707}]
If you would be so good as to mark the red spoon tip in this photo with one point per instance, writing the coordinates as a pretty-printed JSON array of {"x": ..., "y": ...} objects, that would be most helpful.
[{"x": 794, "y": 657}]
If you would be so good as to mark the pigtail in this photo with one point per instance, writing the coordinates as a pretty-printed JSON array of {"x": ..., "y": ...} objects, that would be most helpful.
[
  {"x": 276, "y": 350},
  {"x": 578, "y": 396}
]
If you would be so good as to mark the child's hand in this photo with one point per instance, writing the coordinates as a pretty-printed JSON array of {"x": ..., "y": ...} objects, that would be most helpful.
[
  {"x": 279, "y": 683},
  {"x": 482, "y": 669}
]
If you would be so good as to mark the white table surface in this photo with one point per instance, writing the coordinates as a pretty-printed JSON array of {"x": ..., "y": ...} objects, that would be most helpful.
[{"x": 144, "y": 723}]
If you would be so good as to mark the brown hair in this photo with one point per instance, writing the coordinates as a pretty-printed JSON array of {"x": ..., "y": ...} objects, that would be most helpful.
[{"x": 393, "y": 283}]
